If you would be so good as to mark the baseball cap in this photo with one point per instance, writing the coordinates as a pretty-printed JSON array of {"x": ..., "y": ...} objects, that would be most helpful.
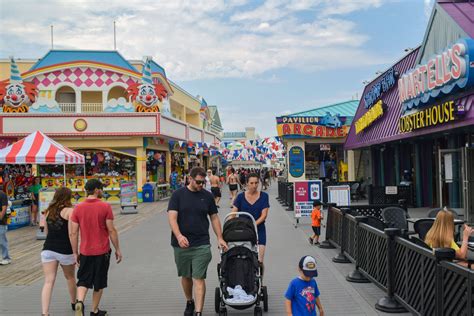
[
  {"x": 308, "y": 266},
  {"x": 93, "y": 184},
  {"x": 317, "y": 203}
]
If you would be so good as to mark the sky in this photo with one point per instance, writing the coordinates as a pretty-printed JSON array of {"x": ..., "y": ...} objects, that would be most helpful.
[{"x": 255, "y": 60}]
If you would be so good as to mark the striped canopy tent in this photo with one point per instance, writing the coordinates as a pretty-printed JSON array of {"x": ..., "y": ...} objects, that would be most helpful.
[{"x": 37, "y": 148}]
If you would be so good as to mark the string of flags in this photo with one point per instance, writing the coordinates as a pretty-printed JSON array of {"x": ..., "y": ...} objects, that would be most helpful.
[{"x": 262, "y": 150}]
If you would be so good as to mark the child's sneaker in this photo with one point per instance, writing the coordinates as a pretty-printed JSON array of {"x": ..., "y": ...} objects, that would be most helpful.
[
  {"x": 316, "y": 243},
  {"x": 310, "y": 240}
]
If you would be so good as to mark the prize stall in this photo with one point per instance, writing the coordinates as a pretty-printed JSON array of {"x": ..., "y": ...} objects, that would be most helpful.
[
  {"x": 111, "y": 168},
  {"x": 35, "y": 149}
]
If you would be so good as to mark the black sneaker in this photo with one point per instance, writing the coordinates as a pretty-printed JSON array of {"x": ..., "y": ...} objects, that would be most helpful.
[
  {"x": 79, "y": 308},
  {"x": 99, "y": 313},
  {"x": 73, "y": 306},
  {"x": 189, "y": 311},
  {"x": 310, "y": 240},
  {"x": 197, "y": 314}
]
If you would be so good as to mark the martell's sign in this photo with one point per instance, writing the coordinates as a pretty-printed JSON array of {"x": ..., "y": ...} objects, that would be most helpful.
[
  {"x": 329, "y": 126},
  {"x": 439, "y": 76}
]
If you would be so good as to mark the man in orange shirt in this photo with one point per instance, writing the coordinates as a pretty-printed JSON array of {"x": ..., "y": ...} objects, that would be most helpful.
[{"x": 316, "y": 217}]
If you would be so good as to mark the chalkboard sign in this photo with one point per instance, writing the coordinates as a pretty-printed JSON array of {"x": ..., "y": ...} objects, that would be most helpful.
[
  {"x": 128, "y": 194},
  {"x": 296, "y": 161}
]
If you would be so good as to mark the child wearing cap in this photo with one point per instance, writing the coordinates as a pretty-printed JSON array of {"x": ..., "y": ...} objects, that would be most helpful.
[
  {"x": 302, "y": 295},
  {"x": 316, "y": 217}
]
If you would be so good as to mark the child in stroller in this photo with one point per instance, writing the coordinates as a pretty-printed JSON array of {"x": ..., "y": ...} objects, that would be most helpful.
[{"x": 239, "y": 272}]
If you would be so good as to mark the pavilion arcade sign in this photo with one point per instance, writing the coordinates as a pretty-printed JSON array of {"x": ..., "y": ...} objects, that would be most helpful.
[
  {"x": 439, "y": 76},
  {"x": 329, "y": 126}
]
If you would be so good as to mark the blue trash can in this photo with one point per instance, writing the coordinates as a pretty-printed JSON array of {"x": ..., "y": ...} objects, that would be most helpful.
[{"x": 147, "y": 192}]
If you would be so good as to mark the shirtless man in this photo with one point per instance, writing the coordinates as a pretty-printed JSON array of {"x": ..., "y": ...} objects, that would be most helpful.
[
  {"x": 232, "y": 181},
  {"x": 215, "y": 186}
]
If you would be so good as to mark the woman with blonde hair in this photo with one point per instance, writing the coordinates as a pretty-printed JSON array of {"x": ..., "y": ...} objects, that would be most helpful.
[
  {"x": 57, "y": 248},
  {"x": 441, "y": 234}
]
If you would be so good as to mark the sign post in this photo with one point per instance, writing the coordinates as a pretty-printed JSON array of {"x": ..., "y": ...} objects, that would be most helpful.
[
  {"x": 305, "y": 193},
  {"x": 128, "y": 197},
  {"x": 45, "y": 197},
  {"x": 340, "y": 194}
]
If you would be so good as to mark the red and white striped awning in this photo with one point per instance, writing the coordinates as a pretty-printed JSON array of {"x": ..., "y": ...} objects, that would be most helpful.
[{"x": 38, "y": 148}]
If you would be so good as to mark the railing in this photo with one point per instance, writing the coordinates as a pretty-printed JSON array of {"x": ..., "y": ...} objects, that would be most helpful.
[
  {"x": 68, "y": 107},
  {"x": 378, "y": 195},
  {"x": 92, "y": 107},
  {"x": 414, "y": 278}
]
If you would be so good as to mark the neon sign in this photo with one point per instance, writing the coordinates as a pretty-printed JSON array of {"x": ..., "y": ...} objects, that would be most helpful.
[
  {"x": 383, "y": 85},
  {"x": 369, "y": 117},
  {"x": 440, "y": 75}
]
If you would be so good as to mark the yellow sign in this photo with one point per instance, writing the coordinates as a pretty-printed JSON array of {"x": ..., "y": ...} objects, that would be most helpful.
[
  {"x": 369, "y": 117},
  {"x": 80, "y": 125},
  {"x": 438, "y": 114}
]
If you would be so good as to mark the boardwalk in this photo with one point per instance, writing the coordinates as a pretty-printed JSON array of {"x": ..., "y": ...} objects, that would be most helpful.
[{"x": 146, "y": 283}]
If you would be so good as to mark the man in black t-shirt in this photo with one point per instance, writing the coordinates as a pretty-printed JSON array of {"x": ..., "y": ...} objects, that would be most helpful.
[
  {"x": 189, "y": 211},
  {"x": 5, "y": 259}
]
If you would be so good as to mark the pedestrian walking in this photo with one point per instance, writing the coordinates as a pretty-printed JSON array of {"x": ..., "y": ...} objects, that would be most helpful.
[
  {"x": 189, "y": 211},
  {"x": 257, "y": 204},
  {"x": 232, "y": 181},
  {"x": 94, "y": 220},
  {"x": 3, "y": 229},
  {"x": 34, "y": 190},
  {"x": 57, "y": 248},
  {"x": 215, "y": 186},
  {"x": 316, "y": 218},
  {"x": 302, "y": 295}
]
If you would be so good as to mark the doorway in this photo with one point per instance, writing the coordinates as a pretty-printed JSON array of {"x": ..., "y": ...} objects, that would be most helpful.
[{"x": 451, "y": 179}]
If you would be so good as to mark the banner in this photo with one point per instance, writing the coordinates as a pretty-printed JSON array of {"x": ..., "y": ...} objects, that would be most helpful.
[{"x": 305, "y": 193}]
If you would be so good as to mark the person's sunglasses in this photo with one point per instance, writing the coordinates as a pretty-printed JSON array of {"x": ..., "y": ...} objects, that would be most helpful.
[{"x": 199, "y": 182}]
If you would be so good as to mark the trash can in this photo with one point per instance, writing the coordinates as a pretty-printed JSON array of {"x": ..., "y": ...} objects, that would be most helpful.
[{"x": 147, "y": 192}]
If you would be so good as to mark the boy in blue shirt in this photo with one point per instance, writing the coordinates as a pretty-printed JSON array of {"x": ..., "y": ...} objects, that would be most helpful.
[{"x": 302, "y": 295}]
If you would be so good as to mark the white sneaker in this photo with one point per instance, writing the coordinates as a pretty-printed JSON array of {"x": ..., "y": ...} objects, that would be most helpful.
[{"x": 4, "y": 262}]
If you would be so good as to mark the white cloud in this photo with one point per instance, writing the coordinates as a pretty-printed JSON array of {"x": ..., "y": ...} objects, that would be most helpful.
[{"x": 195, "y": 39}]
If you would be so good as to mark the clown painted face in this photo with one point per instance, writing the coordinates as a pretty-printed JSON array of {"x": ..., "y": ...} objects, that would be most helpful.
[
  {"x": 147, "y": 95},
  {"x": 15, "y": 95}
]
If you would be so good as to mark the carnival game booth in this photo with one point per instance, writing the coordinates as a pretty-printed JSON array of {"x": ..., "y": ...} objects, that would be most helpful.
[{"x": 35, "y": 149}]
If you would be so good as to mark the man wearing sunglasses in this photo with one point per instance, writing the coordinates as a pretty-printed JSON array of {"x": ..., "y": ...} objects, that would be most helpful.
[{"x": 189, "y": 211}]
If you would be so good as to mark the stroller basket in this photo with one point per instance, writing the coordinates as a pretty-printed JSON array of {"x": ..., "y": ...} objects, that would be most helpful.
[{"x": 239, "y": 229}]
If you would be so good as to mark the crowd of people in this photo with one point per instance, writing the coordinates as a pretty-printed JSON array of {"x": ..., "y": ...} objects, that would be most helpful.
[{"x": 191, "y": 210}]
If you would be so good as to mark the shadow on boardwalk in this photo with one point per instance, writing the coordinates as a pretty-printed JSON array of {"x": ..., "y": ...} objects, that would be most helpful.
[{"x": 146, "y": 282}]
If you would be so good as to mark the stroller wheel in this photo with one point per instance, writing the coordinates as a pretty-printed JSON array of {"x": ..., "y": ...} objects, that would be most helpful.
[
  {"x": 265, "y": 298},
  {"x": 217, "y": 301},
  {"x": 223, "y": 311},
  {"x": 258, "y": 311}
]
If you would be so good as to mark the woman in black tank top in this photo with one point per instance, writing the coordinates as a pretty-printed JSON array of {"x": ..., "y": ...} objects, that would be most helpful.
[{"x": 57, "y": 248}]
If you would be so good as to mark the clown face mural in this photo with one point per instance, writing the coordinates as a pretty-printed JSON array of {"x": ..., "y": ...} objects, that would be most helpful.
[
  {"x": 145, "y": 95},
  {"x": 16, "y": 96}
]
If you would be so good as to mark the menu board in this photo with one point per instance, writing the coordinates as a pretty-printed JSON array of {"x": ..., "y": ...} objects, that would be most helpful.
[
  {"x": 128, "y": 194},
  {"x": 341, "y": 195}
]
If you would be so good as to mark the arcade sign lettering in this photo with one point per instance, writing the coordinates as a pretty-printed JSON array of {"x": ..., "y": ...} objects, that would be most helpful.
[
  {"x": 440, "y": 75},
  {"x": 328, "y": 126},
  {"x": 369, "y": 117},
  {"x": 382, "y": 86},
  {"x": 439, "y": 114}
]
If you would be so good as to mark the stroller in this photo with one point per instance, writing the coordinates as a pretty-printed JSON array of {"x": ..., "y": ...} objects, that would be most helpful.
[{"x": 239, "y": 269}]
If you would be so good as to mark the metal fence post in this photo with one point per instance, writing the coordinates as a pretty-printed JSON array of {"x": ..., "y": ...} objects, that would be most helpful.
[
  {"x": 441, "y": 254},
  {"x": 289, "y": 197},
  {"x": 341, "y": 257},
  {"x": 388, "y": 303},
  {"x": 325, "y": 244},
  {"x": 355, "y": 276}
]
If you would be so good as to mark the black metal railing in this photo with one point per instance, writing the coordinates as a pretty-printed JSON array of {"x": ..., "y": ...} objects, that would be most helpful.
[
  {"x": 378, "y": 194},
  {"x": 420, "y": 280}
]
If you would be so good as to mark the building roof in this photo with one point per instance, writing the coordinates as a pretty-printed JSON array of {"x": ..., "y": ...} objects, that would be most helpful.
[
  {"x": 385, "y": 129},
  {"x": 462, "y": 13},
  {"x": 216, "y": 119},
  {"x": 344, "y": 109},
  {"x": 111, "y": 57},
  {"x": 155, "y": 68}
]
